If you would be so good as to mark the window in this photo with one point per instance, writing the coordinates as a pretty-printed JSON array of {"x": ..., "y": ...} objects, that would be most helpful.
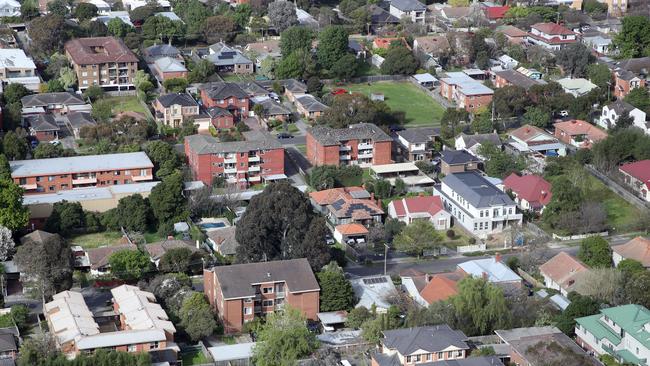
[
  {"x": 481, "y": 213},
  {"x": 428, "y": 356},
  {"x": 131, "y": 348},
  {"x": 268, "y": 290},
  {"x": 248, "y": 311},
  {"x": 23, "y": 181},
  {"x": 127, "y": 172},
  {"x": 116, "y": 173},
  {"x": 267, "y": 303},
  {"x": 51, "y": 188},
  {"x": 439, "y": 355},
  {"x": 459, "y": 353},
  {"x": 418, "y": 358},
  {"x": 450, "y": 354},
  {"x": 115, "y": 182},
  {"x": 154, "y": 345},
  {"x": 408, "y": 358}
]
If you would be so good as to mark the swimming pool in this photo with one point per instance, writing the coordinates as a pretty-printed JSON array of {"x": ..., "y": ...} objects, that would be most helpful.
[{"x": 212, "y": 225}]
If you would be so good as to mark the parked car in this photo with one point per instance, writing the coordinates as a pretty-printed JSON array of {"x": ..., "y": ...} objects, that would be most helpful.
[{"x": 285, "y": 135}]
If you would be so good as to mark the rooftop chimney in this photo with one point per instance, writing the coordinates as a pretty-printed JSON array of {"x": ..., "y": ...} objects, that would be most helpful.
[
  {"x": 484, "y": 275},
  {"x": 497, "y": 257},
  {"x": 268, "y": 274}
]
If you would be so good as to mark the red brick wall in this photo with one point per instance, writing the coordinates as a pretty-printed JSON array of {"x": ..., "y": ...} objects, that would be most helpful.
[
  {"x": 209, "y": 102},
  {"x": 307, "y": 302},
  {"x": 475, "y": 102},
  {"x": 64, "y": 181},
  {"x": 173, "y": 75},
  {"x": 208, "y": 287},
  {"x": 232, "y": 316},
  {"x": 45, "y": 135},
  {"x": 223, "y": 122},
  {"x": 500, "y": 82},
  {"x": 381, "y": 153},
  {"x": 318, "y": 154}
]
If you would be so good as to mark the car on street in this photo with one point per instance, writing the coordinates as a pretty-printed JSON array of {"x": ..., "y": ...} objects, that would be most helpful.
[{"x": 285, "y": 135}]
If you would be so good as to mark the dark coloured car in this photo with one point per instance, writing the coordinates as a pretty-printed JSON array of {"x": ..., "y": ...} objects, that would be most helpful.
[{"x": 285, "y": 135}]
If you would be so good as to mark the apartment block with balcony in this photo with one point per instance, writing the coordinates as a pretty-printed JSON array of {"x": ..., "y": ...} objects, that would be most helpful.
[
  {"x": 477, "y": 204},
  {"x": 242, "y": 163},
  {"x": 61, "y": 174},
  {"x": 17, "y": 68},
  {"x": 241, "y": 292},
  {"x": 361, "y": 144},
  {"x": 102, "y": 61}
]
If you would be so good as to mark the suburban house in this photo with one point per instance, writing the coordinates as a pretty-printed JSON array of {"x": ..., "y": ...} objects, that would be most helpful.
[
  {"x": 152, "y": 53},
  {"x": 309, "y": 106},
  {"x": 577, "y": 133},
  {"x": 17, "y": 68},
  {"x": 158, "y": 249},
  {"x": 493, "y": 270},
  {"x": 361, "y": 144},
  {"x": 379, "y": 18},
  {"x": 165, "y": 68},
  {"x": 477, "y": 204},
  {"x": 78, "y": 120},
  {"x": 630, "y": 74},
  {"x": 263, "y": 50},
  {"x": 472, "y": 143},
  {"x": 576, "y": 86},
  {"x": 621, "y": 332},
  {"x": 223, "y": 241},
  {"x": 10, "y": 8},
  {"x": 506, "y": 62},
  {"x": 141, "y": 325},
  {"x": 457, "y": 161},
  {"x": 241, "y": 292},
  {"x": 513, "y": 77},
  {"x": 613, "y": 111},
  {"x": 228, "y": 96},
  {"x": 532, "y": 192},
  {"x": 272, "y": 110},
  {"x": 637, "y": 249},
  {"x": 513, "y": 34},
  {"x": 407, "y": 172},
  {"x": 57, "y": 103},
  {"x": 43, "y": 127},
  {"x": 425, "y": 289},
  {"x": 386, "y": 42},
  {"x": 293, "y": 89},
  {"x": 229, "y": 60},
  {"x": 243, "y": 163},
  {"x": 431, "y": 48},
  {"x": 429, "y": 208},
  {"x": 102, "y": 61},
  {"x": 347, "y": 205},
  {"x": 410, "y": 346},
  {"x": 543, "y": 346},
  {"x": 563, "y": 273},
  {"x": 551, "y": 36},
  {"x": 417, "y": 142},
  {"x": 466, "y": 92},
  {"x": 532, "y": 139},
  {"x": 374, "y": 292},
  {"x": 134, "y": 4},
  {"x": 174, "y": 109},
  {"x": 637, "y": 176},
  {"x": 59, "y": 174},
  {"x": 411, "y": 9},
  {"x": 98, "y": 258},
  {"x": 494, "y": 13}
]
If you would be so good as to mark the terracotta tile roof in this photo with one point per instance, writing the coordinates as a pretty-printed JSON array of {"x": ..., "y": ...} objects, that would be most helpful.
[
  {"x": 578, "y": 127},
  {"x": 99, "y": 50},
  {"x": 424, "y": 204},
  {"x": 532, "y": 188},
  {"x": 639, "y": 170},
  {"x": 529, "y": 132},
  {"x": 511, "y": 31},
  {"x": 441, "y": 287},
  {"x": 552, "y": 29},
  {"x": 352, "y": 229},
  {"x": 99, "y": 256},
  {"x": 356, "y": 209},
  {"x": 496, "y": 12},
  {"x": 157, "y": 250},
  {"x": 329, "y": 196},
  {"x": 564, "y": 270},
  {"x": 637, "y": 249},
  {"x": 380, "y": 42}
]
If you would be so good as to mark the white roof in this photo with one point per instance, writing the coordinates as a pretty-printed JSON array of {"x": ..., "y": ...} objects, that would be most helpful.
[
  {"x": 69, "y": 317},
  {"x": 119, "y": 338},
  {"x": 373, "y": 290},
  {"x": 121, "y": 15},
  {"x": 232, "y": 352},
  {"x": 333, "y": 317},
  {"x": 168, "y": 64},
  {"x": 15, "y": 58},
  {"x": 89, "y": 194},
  {"x": 394, "y": 168},
  {"x": 425, "y": 78},
  {"x": 467, "y": 85},
  {"x": 170, "y": 15},
  {"x": 495, "y": 270},
  {"x": 140, "y": 309},
  {"x": 100, "y": 4},
  {"x": 79, "y": 164},
  {"x": 579, "y": 86},
  {"x": 416, "y": 180}
]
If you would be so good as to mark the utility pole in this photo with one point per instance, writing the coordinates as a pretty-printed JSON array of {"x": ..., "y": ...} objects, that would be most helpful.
[{"x": 385, "y": 257}]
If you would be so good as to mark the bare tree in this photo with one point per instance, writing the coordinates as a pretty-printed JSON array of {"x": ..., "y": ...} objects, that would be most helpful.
[
  {"x": 7, "y": 244},
  {"x": 600, "y": 283},
  {"x": 282, "y": 15}
]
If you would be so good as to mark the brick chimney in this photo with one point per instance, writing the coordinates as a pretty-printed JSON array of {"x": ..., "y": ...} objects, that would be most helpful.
[
  {"x": 497, "y": 257},
  {"x": 484, "y": 275}
]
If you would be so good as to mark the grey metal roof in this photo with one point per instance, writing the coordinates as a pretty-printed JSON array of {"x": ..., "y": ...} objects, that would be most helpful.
[
  {"x": 223, "y": 55},
  {"x": 311, "y": 103},
  {"x": 161, "y": 50},
  {"x": 221, "y": 90},
  {"x": 453, "y": 157},
  {"x": 419, "y": 135},
  {"x": 273, "y": 108},
  {"x": 80, "y": 119},
  {"x": 431, "y": 339},
  {"x": 42, "y": 122},
  {"x": 237, "y": 280},
  {"x": 8, "y": 343},
  {"x": 202, "y": 144},
  {"x": 477, "y": 190},
  {"x": 519, "y": 79},
  {"x": 45, "y": 99},
  {"x": 408, "y": 5},
  {"x": 169, "y": 64},
  {"x": 330, "y": 136},
  {"x": 120, "y": 338},
  {"x": 79, "y": 164},
  {"x": 471, "y": 140},
  {"x": 620, "y": 107},
  {"x": 253, "y": 88},
  {"x": 508, "y": 335},
  {"x": 213, "y": 112},
  {"x": 182, "y": 99},
  {"x": 393, "y": 360},
  {"x": 225, "y": 240}
]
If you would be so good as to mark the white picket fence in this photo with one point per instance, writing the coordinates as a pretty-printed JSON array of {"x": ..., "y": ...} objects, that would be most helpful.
[
  {"x": 471, "y": 248},
  {"x": 578, "y": 237}
]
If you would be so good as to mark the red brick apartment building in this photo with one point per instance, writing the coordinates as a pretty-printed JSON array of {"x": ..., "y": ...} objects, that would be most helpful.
[
  {"x": 362, "y": 144},
  {"x": 466, "y": 92},
  {"x": 59, "y": 174},
  {"x": 103, "y": 61},
  {"x": 240, "y": 162},
  {"x": 242, "y": 292},
  {"x": 228, "y": 96}
]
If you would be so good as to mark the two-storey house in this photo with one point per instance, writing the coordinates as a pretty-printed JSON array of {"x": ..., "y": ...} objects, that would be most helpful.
[
  {"x": 466, "y": 92},
  {"x": 411, "y": 9},
  {"x": 242, "y": 163},
  {"x": 636, "y": 175},
  {"x": 17, "y": 68},
  {"x": 577, "y": 133},
  {"x": 630, "y": 74},
  {"x": 60, "y": 174},
  {"x": 102, "y": 61},
  {"x": 349, "y": 205},
  {"x": 241, "y": 292},
  {"x": 228, "y": 96},
  {"x": 43, "y": 127},
  {"x": 361, "y": 144},
  {"x": 229, "y": 60},
  {"x": 531, "y": 192},
  {"x": 173, "y": 109},
  {"x": 417, "y": 143},
  {"x": 477, "y": 204},
  {"x": 622, "y": 332},
  {"x": 551, "y": 36},
  {"x": 563, "y": 273},
  {"x": 408, "y": 210},
  {"x": 456, "y": 161},
  {"x": 530, "y": 139},
  {"x": 615, "y": 110},
  {"x": 57, "y": 103}
]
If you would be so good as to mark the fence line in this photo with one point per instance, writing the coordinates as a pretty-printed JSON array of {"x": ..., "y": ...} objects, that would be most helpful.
[
  {"x": 471, "y": 248},
  {"x": 578, "y": 237}
]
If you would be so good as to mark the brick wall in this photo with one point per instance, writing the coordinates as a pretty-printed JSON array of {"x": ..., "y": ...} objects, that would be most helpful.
[
  {"x": 60, "y": 182},
  {"x": 173, "y": 75},
  {"x": 226, "y": 103},
  {"x": 472, "y": 103},
  {"x": 318, "y": 154},
  {"x": 381, "y": 153},
  {"x": 306, "y": 302}
]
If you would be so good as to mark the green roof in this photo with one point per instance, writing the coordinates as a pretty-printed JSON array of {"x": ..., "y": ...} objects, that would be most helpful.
[
  {"x": 631, "y": 318},
  {"x": 628, "y": 356},
  {"x": 599, "y": 330}
]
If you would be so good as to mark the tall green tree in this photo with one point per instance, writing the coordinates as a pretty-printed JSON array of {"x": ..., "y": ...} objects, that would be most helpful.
[
  {"x": 296, "y": 38},
  {"x": 634, "y": 38},
  {"x": 640, "y": 98},
  {"x": 399, "y": 61},
  {"x": 298, "y": 64},
  {"x": 282, "y": 15},
  {"x": 574, "y": 59},
  {"x": 13, "y": 214},
  {"x": 566, "y": 198},
  {"x": 165, "y": 159},
  {"x": 197, "y": 319},
  {"x": 416, "y": 237},
  {"x": 15, "y": 146},
  {"x": 480, "y": 306},
  {"x": 600, "y": 75},
  {"x": 132, "y": 213},
  {"x": 65, "y": 218},
  {"x": 595, "y": 252},
  {"x": 179, "y": 260},
  {"x": 580, "y": 306},
  {"x": 167, "y": 200},
  {"x": 332, "y": 45},
  {"x": 336, "y": 291},
  {"x": 85, "y": 11},
  {"x": 283, "y": 339},
  {"x": 5, "y": 169},
  {"x": 193, "y": 13},
  {"x": 129, "y": 264}
]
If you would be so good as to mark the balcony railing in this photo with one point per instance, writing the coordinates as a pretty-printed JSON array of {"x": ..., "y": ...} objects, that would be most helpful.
[
  {"x": 230, "y": 170},
  {"x": 29, "y": 187},
  {"x": 253, "y": 158},
  {"x": 230, "y": 160},
  {"x": 279, "y": 295},
  {"x": 344, "y": 148},
  {"x": 255, "y": 168},
  {"x": 85, "y": 180},
  {"x": 365, "y": 155},
  {"x": 138, "y": 178},
  {"x": 365, "y": 146},
  {"x": 344, "y": 157}
]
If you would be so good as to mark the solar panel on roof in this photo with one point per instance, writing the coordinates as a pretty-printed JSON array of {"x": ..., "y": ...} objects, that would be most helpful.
[{"x": 374, "y": 280}]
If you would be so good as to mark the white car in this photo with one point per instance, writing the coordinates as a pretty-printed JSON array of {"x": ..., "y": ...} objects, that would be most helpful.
[
  {"x": 564, "y": 113},
  {"x": 55, "y": 142}
]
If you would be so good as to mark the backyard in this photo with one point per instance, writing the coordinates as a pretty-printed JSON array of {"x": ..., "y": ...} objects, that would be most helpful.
[
  {"x": 126, "y": 104},
  {"x": 195, "y": 357},
  {"x": 420, "y": 109},
  {"x": 108, "y": 238}
]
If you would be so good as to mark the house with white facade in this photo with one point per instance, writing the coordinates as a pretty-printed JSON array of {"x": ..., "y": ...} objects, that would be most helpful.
[
  {"x": 613, "y": 111},
  {"x": 411, "y": 9},
  {"x": 417, "y": 143},
  {"x": 429, "y": 208},
  {"x": 551, "y": 36},
  {"x": 563, "y": 273},
  {"x": 622, "y": 332},
  {"x": 477, "y": 204},
  {"x": 18, "y": 68},
  {"x": 9, "y": 8},
  {"x": 532, "y": 139}
]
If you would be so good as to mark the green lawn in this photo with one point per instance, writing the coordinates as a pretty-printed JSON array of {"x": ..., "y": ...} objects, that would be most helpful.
[
  {"x": 620, "y": 214},
  {"x": 95, "y": 240},
  {"x": 194, "y": 358},
  {"x": 419, "y": 108},
  {"x": 126, "y": 104},
  {"x": 302, "y": 149}
]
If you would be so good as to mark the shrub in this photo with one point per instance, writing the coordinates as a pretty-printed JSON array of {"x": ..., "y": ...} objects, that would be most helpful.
[
  {"x": 451, "y": 234},
  {"x": 472, "y": 241}
]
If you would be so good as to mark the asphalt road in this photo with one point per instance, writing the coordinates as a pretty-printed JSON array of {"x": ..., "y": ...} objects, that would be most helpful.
[{"x": 449, "y": 264}]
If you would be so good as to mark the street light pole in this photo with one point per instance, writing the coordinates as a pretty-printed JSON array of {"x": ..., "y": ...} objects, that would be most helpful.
[{"x": 385, "y": 257}]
